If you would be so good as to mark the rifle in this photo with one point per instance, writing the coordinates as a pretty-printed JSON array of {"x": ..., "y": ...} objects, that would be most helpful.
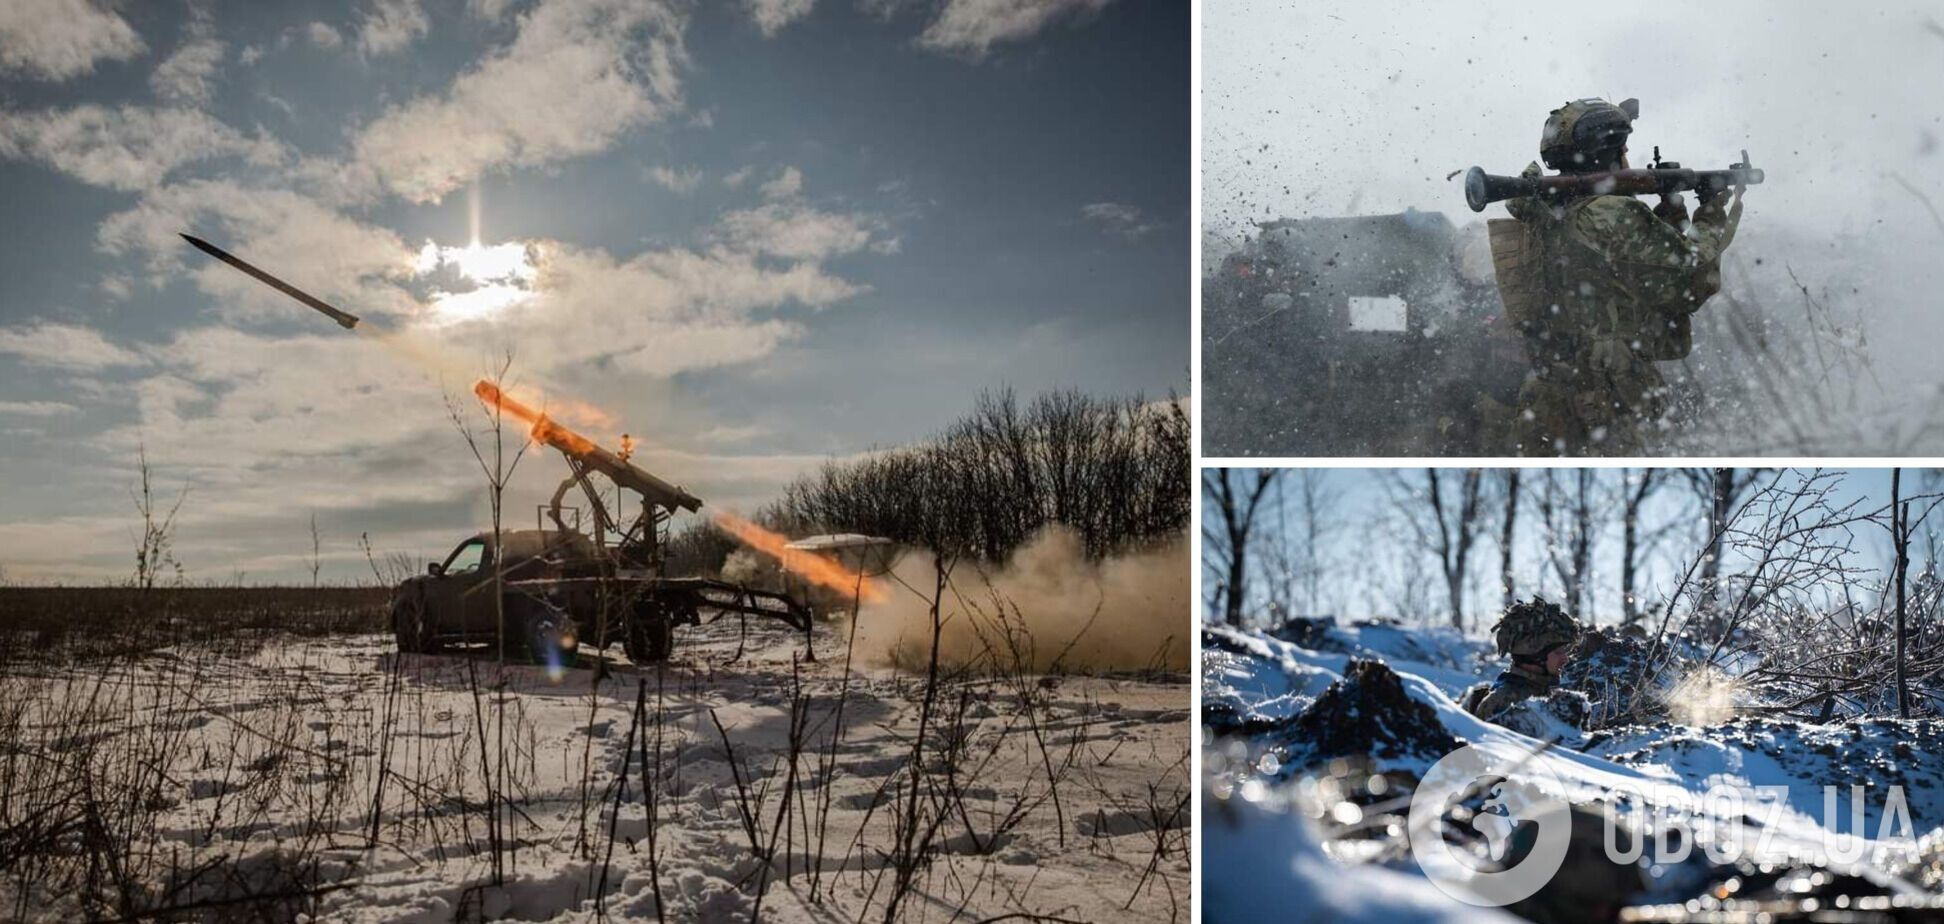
[{"x": 1483, "y": 189}]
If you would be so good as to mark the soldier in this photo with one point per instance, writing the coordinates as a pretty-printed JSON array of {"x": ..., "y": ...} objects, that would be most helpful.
[
  {"x": 1539, "y": 637},
  {"x": 1609, "y": 285}
]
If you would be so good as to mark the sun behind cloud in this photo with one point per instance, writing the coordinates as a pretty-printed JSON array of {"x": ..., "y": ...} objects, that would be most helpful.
[{"x": 500, "y": 275}]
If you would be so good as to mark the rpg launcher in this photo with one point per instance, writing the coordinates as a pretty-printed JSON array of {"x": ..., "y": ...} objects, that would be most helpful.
[{"x": 1483, "y": 189}]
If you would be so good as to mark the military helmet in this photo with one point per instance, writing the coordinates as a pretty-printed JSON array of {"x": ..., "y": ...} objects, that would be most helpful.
[
  {"x": 1530, "y": 628},
  {"x": 1587, "y": 134}
]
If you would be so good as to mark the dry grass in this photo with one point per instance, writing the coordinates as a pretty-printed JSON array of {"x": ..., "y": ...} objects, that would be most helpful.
[
  {"x": 84, "y": 623},
  {"x": 260, "y": 776}
]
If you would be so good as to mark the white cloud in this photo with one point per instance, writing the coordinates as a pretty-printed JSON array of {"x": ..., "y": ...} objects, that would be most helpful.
[
  {"x": 736, "y": 178},
  {"x": 186, "y": 75},
  {"x": 579, "y": 75},
  {"x": 771, "y": 16},
  {"x": 681, "y": 180},
  {"x": 250, "y": 54},
  {"x": 59, "y": 39},
  {"x": 323, "y": 35},
  {"x": 283, "y": 105},
  {"x": 37, "y": 408},
  {"x": 796, "y": 232},
  {"x": 257, "y": 426},
  {"x": 786, "y": 184},
  {"x": 391, "y": 26},
  {"x": 129, "y": 148},
  {"x": 222, "y": 391},
  {"x": 972, "y": 27},
  {"x": 64, "y": 346},
  {"x": 1121, "y": 219},
  {"x": 663, "y": 312}
]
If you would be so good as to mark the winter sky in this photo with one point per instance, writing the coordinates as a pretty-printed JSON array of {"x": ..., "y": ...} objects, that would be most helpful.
[
  {"x": 1371, "y": 566},
  {"x": 754, "y": 235}
]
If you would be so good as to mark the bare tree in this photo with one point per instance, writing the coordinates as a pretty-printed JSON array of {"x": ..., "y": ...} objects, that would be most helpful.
[
  {"x": 1281, "y": 559},
  {"x": 1569, "y": 513},
  {"x": 317, "y": 560},
  {"x": 1116, "y": 471},
  {"x": 1445, "y": 518},
  {"x": 1637, "y": 485},
  {"x": 497, "y": 467},
  {"x": 155, "y": 551},
  {"x": 1234, "y": 496},
  {"x": 1399, "y": 585},
  {"x": 1508, "y": 535},
  {"x": 1297, "y": 554},
  {"x": 1722, "y": 491},
  {"x": 1316, "y": 516},
  {"x": 1900, "y": 538}
]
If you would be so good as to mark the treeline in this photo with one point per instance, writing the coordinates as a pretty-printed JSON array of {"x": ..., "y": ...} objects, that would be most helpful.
[{"x": 1114, "y": 470}]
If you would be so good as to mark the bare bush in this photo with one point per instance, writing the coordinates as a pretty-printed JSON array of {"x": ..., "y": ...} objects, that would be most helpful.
[{"x": 1795, "y": 619}]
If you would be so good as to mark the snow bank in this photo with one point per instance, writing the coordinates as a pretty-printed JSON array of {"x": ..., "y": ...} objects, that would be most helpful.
[
  {"x": 1262, "y": 863},
  {"x": 1270, "y": 724}
]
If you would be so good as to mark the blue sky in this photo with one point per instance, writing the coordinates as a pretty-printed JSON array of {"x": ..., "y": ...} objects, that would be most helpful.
[{"x": 754, "y": 235}]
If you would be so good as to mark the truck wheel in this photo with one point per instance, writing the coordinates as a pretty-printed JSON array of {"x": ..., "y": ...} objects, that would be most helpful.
[
  {"x": 650, "y": 640},
  {"x": 408, "y": 626}
]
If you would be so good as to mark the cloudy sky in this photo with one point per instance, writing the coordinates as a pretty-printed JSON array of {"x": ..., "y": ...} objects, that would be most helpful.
[
  {"x": 1344, "y": 108},
  {"x": 754, "y": 235}
]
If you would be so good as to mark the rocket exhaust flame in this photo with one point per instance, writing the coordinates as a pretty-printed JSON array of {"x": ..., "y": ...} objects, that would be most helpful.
[{"x": 810, "y": 566}]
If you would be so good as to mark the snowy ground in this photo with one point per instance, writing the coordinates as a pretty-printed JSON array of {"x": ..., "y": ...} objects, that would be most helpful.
[
  {"x": 1258, "y": 691},
  {"x": 1060, "y": 796}
]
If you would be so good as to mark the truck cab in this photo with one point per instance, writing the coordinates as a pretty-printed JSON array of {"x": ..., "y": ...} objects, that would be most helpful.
[
  {"x": 558, "y": 594},
  {"x": 454, "y": 601}
]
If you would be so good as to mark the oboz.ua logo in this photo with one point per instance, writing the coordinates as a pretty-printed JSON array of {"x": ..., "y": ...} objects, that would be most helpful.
[{"x": 1526, "y": 825}]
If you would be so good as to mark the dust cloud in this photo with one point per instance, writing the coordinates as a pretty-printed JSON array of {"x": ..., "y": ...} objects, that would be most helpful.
[{"x": 1047, "y": 610}]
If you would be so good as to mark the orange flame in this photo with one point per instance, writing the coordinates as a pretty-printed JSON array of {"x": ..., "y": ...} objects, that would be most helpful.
[
  {"x": 541, "y": 427},
  {"x": 812, "y": 567}
]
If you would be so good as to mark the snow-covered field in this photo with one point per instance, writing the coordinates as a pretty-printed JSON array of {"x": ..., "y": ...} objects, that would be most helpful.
[
  {"x": 256, "y": 773},
  {"x": 1265, "y": 699}
]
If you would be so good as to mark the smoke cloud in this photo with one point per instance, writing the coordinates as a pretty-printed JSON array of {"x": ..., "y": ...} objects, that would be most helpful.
[{"x": 1048, "y": 609}]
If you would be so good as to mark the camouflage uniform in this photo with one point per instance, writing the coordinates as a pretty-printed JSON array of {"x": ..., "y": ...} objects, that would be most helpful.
[
  {"x": 1515, "y": 684},
  {"x": 1528, "y": 631},
  {"x": 1611, "y": 288}
]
